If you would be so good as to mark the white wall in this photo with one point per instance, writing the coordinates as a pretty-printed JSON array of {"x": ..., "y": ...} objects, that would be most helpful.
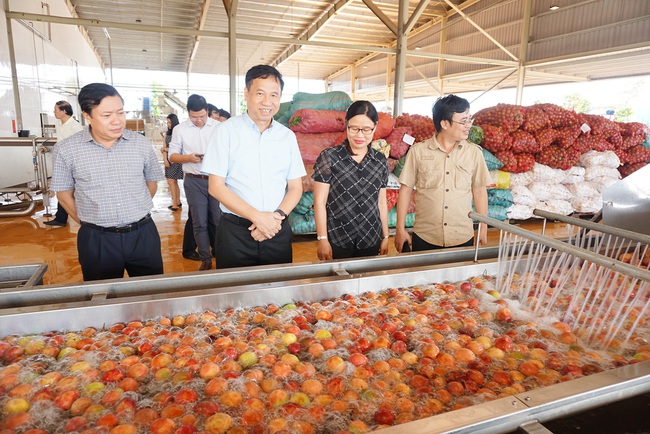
[{"x": 47, "y": 71}]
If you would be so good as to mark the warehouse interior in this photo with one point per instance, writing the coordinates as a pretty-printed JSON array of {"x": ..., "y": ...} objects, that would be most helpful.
[
  {"x": 543, "y": 330},
  {"x": 375, "y": 50}
]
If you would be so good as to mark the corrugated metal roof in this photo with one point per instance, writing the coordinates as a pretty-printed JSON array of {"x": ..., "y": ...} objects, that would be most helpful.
[{"x": 581, "y": 40}]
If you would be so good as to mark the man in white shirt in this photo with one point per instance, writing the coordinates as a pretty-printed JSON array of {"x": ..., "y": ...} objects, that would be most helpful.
[
  {"x": 69, "y": 126},
  {"x": 189, "y": 143}
]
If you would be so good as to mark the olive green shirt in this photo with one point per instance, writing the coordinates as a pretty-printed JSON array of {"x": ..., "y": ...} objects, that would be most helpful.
[{"x": 443, "y": 184}]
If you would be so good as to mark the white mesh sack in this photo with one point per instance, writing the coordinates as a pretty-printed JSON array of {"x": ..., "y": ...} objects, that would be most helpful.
[
  {"x": 561, "y": 207},
  {"x": 583, "y": 189},
  {"x": 602, "y": 182},
  {"x": 544, "y": 173},
  {"x": 574, "y": 175},
  {"x": 595, "y": 158},
  {"x": 545, "y": 191},
  {"x": 587, "y": 204},
  {"x": 519, "y": 212},
  {"x": 521, "y": 195},
  {"x": 523, "y": 178},
  {"x": 593, "y": 172}
]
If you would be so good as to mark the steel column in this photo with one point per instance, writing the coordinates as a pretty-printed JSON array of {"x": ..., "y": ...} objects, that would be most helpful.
[
  {"x": 523, "y": 51},
  {"x": 232, "y": 55},
  {"x": 14, "y": 73},
  {"x": 400, "y": 59}
]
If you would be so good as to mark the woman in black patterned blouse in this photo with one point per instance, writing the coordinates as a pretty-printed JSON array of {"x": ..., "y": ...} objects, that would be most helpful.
[{"x": 350, "y": 191}]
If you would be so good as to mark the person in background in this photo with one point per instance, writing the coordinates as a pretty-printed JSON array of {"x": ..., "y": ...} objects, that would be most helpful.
[
  {"x": 189, "y": 243},
  {"x": 350, "y": 205},
  {"x": 105, "y": 178},
  {"x": 223, "y": 115},
  {"x": 173, "y": 171},
  {"x": 188, "y": 145},
  {"x": 255, "y": 172},
  {"x": 448, "y": 172},
  {"x": 69, "y": 126},
  {"x": 213, "y": 112}
]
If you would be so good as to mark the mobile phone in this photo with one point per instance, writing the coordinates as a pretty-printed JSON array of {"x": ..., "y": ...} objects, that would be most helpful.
[
  {"x": 199, "y": 155},
  {"x": 406, "y": 247}
]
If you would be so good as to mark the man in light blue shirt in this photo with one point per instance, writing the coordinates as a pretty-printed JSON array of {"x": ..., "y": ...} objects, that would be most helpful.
[{"x": 255, "y": 171}]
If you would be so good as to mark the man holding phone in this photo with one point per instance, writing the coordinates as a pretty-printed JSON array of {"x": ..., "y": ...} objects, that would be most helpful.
[{"x": 189, "y": 142}]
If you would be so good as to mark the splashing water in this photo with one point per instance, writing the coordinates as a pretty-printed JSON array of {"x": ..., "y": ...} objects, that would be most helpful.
[{"x": 602, "y": 306}]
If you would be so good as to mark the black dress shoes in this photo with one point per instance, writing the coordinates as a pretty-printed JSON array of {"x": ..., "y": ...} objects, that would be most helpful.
[
  {"x": 205, "y": 265},
  {"x": 194, "y": 256},
  {"x": 55, "y": 223}
]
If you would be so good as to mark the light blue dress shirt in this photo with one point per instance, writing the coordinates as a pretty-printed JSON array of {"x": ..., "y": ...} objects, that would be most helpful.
[{"x": 256, "y": 165}]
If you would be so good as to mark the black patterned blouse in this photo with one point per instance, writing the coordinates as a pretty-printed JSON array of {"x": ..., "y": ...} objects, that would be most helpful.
[{"x": 352, "y": 205}]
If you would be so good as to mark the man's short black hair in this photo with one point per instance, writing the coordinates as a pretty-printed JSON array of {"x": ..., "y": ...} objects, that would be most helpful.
[
  {"x": 91, "y": 95},
  {"x": 64, "y": 106},
  {"x": 223, "y": 113},
  {"x": 196, "y": 103},
  {"x": 211, "y": 109},
  {"x": 444, "y": 109},
  {"x": 263, "y": 71}
]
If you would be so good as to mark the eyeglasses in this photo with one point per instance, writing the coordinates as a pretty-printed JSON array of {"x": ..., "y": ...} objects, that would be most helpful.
[
  {"x": 365, "y": 130},
  {"x": 468, "y": 121}
]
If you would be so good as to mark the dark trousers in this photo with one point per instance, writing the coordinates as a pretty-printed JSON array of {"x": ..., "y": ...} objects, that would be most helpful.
[
  {"x": 189, "y": 243},
  {"x": 205, "y": 208},
  {"x": 341, "y": 253},
  {"x": 419, "y": 244},
  {"x": 61, "y": 214},
  {"x": 236, "y": 247},
  {"x": 106, "y": 255}
]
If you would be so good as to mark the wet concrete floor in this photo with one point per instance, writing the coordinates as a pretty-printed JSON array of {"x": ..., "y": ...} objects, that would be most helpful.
[{"x": 26, "y": 240}]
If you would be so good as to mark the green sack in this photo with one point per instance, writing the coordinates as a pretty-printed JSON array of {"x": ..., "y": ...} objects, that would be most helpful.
[
  {"x": 285, "y": 118},
  {"x": 500, "y": 197},
  {"x": 392, "y": 218},
  {"x": 336, "y": 100},
  {"x": 302, "y": 224},
  {"x": 476, "y": 134},
  {"x": 400, "y": 165},
  {"x": 283, "y": 109},
  {"x": 492, "y": 162},
  {"x": 305, "y": 204},
  {"x": 496, "y": 212}
]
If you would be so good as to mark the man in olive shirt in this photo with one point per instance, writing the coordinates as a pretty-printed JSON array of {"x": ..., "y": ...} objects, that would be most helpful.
[{"x": 448, "y": 172}]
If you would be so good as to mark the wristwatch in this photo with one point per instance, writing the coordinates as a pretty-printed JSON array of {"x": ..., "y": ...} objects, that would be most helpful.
[
  {"x": 321, "y": 237},
  {"x": 282, "y": 213}
]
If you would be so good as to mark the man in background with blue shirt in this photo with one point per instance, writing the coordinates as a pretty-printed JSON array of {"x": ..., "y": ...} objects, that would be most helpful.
[
  {"x": 255, "y": 172},
  {"x": 105, "y": 177}
]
